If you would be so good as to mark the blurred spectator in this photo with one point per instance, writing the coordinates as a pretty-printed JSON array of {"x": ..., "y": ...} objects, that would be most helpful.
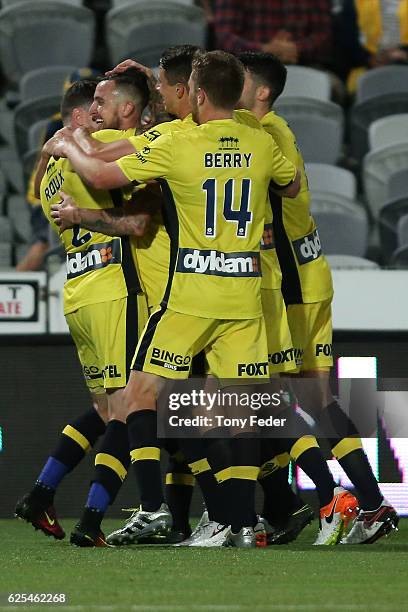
[
  {"x": 373, "y": 34},
  {"x": 39, "y": 245},
  {"x": 297, "y": 32}
]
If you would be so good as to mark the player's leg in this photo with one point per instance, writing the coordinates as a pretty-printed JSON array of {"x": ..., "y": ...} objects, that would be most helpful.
[
  {"x": 237, "y": 355},
  {"x": 165, "y": 349},
  {"x": 314, "y": 394},
  {"x": 114, "y": 325},
  {"x": 75, "y": 440},
  {"x": 179, "y": 486}
]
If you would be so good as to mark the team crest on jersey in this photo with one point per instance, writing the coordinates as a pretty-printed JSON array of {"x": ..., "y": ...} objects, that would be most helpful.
[
  {"x": 308, "y": 248},
  {"x": 95, "y": 257},
  {"x": 217, "y": 263},
  {"x": 228, "y": 143}
]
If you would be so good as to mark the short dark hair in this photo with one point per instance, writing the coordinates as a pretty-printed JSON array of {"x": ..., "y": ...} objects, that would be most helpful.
[
  {"x": 221, "y": 75},
  {"x": 78, "y": 95},
  {"x": 268, "y": 69},
  {"x": 133, "y": 83},
  {"x": 177, "y": 62}
]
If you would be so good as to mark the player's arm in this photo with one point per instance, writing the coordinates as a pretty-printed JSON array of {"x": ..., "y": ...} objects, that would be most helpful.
[
  {"x": 107, "y": 152},
  {"x": 126, "y": 221},
  {"x": 109, "y": 175},
  {"x": 285, "y": 177}
]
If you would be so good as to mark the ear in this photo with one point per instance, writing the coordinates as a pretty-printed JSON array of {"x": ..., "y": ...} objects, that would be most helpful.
[
  {"x": 262, "y": 93},
  {"x": 128, "y": 108},
  {"x": 201, "y": 97},
  {"x": 180, "y": 90},
  {"x": 79, "y": 116}
]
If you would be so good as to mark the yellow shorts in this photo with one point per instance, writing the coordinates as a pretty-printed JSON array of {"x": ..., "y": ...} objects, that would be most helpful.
[
  {"x": 311, "y": 329},
  {"x": 281, "y": 354},
  {"x": 106, "y": 336},
  {"x": 234, "y": 349}
]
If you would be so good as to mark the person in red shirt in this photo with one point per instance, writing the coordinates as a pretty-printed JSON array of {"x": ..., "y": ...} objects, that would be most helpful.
[{"x": 297, "y": 32}]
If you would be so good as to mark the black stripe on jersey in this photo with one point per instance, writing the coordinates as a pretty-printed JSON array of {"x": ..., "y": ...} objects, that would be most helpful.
[
  {"x": 132, "y": 330},
  {"x": 147, "y": 339},
  {"x": 291, "y": 287},
  {"x": 171, "y": 224},
  {"x": 128, "y": 265}
]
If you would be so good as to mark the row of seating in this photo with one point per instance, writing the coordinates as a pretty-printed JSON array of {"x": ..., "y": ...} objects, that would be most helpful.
[{"x": 45, "y": 33}]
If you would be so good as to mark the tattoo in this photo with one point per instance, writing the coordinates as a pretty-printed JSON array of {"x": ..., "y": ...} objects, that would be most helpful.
[{"x": 112, "y": 221}]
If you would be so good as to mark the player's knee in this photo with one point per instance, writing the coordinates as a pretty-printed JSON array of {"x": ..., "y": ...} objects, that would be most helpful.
[
  {"x": 100, "y": 404},
  {"x": 140, "y": 393}
]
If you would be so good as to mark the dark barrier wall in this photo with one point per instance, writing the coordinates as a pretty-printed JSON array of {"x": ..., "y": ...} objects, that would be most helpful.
[{"x": 42, "y": 389}]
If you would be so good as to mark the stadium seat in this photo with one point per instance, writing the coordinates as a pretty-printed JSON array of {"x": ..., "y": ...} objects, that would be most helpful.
[
  {"x": 5, "y": 230},
  {"x": 325, "y": 201},
  {"x": 28, "y": 113},
  {"x": 399, "y": 258},
  {"x": 19, "y": 214},
  {"x": 143, "y": 29},
  {"x": 5, "y": 255},
  {"x": 29, "y": 161},
  {"x": 3, "y": 189},
  {"x": 36, "y": 134},
  {"x": 388, "y": 130},
  {"x": 331, "y": 179},
  {"x": 378, "y": 169},
  {"x": 47, "y": 81},
  {"x": 402, "y": 231},
  {"x": 319, "y": 138},
  {"x": 364, "y": 113},
  {"x": 13, "y": 2},
  {"x": 388, "y": 219},
  {"x": 125, "y": 2},
  {"x": 349, "y": 262},
  {"x": 44, "y": 33},
  {"x": 292, "y": 106},
  {"x": 387, "y": 80},
  {"x": 342, "y": 232},
  {"x": 398, "y": 185},
  {"x": 307, "y": 83}
]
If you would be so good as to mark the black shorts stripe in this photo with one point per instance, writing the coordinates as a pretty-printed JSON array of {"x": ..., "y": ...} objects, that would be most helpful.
[
  {"x": 128, "y": 265},
  {"x": 171, "y": 224},
  {"x": 147, "y": 339},
  {"x": 291, "y": 286},
  {"x": 132, "y": 330}
]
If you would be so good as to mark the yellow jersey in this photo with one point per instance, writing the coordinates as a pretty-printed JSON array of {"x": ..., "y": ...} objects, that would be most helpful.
[
  {"x": 153, "y": 249},
  {"x": 306, "y": 276},
  {"x": 100, "y": 268},
  {"x": 214, "y": 179}
]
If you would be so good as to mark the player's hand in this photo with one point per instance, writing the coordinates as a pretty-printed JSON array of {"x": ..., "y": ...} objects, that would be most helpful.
[
  {"x": 283, "y": 45},
  {"x": 129, "y": 63},
  {"x": 66, "y": 213}
]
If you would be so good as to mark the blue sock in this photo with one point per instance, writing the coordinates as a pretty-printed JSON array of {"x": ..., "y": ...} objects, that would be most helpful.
[
  {"x": 53, "y": 472},
  {"x": 98, "y": 497}
]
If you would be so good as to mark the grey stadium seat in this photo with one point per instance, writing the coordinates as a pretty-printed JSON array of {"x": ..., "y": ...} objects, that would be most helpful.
[
  {"x": 388, "y": 130},
  {"x": 28, "y": 113},
  {"x": 388, "y": 220},
  {"x": 293, "y": 106},
  {"x": 144, "y": 29},
  {"x": 331, "y": 179},
  {"x": 322, "y": 201},
  {"x": 398, "y": 186},
  {"x": 307, "y": 82},
  {"x": 400, "y": 258},
  {"x": 363, "y": 114},
  {"x": 47, "y": 81},
  {"x": 387, "y": 80},
  {"x": 379, "y": 167},
  {"x": 6, "y": 251},
  {"x": 319, "y": 138},
  {"x": 6, "y": 232},
  {"x": 342, "y": 232},
  {"x": 116, "y": 3},
  {"x": 14, "y": 2},
  {"x": 38, "y": 34},
  {"x": 402, "y": 231},
  {"x": 36, "y": 133},
  {"x": 349, "y": 262}
]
